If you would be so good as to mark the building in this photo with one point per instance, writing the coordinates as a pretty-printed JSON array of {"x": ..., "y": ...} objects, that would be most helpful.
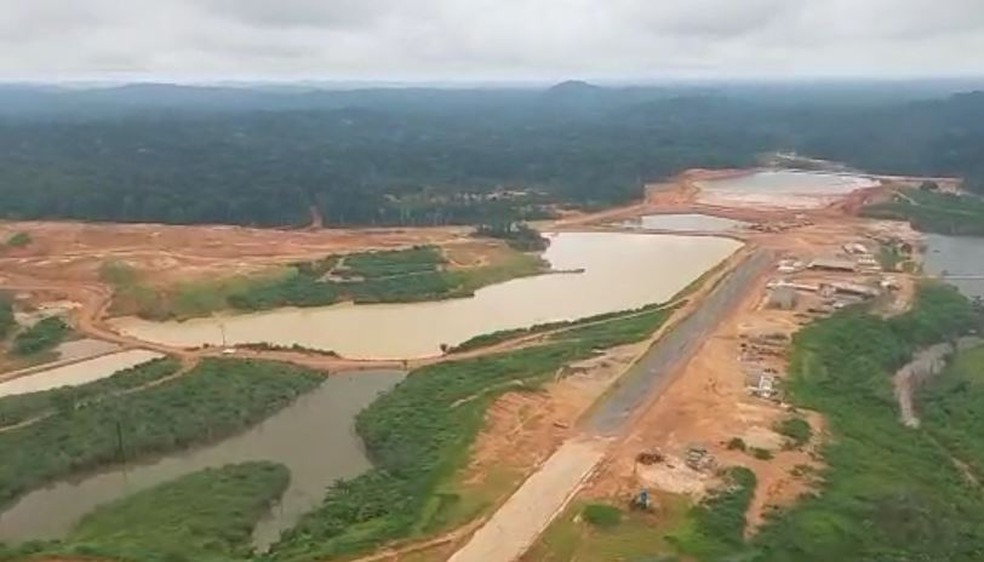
[
  {"x": 783, "y": 297},
  {"x": 833, "y": 264}
]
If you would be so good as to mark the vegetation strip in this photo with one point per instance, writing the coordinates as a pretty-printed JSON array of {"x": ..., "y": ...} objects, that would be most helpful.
[
  {"x": 930, "y": 211},
  {"x": 207, "y": 515},
  {"x": 16, "y": 409},
  {"x": 217, "y": 398},
  {"x": 418, "y": 440},
  {"x": 43, "y": 336}
]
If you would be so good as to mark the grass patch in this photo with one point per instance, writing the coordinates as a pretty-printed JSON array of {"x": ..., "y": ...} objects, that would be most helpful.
[
  {"x": 797, "y": 429},
  {"x": 19, "y": 240},
  {"x": 943, "y": 213},
  {"x": 207, "y": 515},
  {"x": 41, "y": 337},
  {"x": 493, "y": 338},
  {"x": 718, "y": 522},
  {"x": 22, "y": 407},
  {"x": 639, "y": 537},
  {"x": 216, "y": 399},
  {"x": 602, "y": 515},
  {"x": 419, "y": 436}
]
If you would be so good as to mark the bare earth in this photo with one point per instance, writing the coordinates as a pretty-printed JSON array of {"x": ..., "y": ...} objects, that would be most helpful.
[{"x": 701, "y": 398}]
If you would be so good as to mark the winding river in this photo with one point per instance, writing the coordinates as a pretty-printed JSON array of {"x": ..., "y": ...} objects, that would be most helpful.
[{"x": 314, "y": 437}]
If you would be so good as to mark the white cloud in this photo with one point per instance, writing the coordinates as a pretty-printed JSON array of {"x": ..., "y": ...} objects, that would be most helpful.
[{"x": 488, "y": 39}]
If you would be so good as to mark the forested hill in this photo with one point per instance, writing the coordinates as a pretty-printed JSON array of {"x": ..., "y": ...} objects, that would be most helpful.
[{"x": 424, "y": 156}]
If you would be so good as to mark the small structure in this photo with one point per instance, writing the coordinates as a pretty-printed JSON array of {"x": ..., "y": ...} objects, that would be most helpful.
[
  {"x": 699, "y": 458},
  {"x": 855, "y": 289},
  {"x": 761, "y": 384},
  {"x": 642, "y": 501},
  {"x": 650, "y": 457},
  {"x": 854, "y": 248},
  {"x": 832, "y": 264},
  {"x": 783, "y": 297}
]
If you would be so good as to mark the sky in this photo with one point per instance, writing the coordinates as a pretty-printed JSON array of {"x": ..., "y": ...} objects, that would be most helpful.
[{"x": 472, "y": 40}]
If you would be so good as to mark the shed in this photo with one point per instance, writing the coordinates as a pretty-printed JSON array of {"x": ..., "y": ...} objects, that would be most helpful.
[{"x": 832, "y": 264}]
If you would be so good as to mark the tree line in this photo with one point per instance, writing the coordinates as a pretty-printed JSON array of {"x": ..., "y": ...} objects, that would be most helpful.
[{"x": 391, "y": 160}]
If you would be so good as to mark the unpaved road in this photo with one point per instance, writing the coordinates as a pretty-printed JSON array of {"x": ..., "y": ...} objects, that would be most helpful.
[
  {"x": 651, "y": 373},
  {"x": 518, "y": 523}
]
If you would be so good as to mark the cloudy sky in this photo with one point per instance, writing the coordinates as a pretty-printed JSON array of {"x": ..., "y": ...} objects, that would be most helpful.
[{"x": 488, "y": 39}]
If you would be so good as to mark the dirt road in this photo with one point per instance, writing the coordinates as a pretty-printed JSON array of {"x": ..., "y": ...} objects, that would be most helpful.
[{"x": 517, "y": 524}]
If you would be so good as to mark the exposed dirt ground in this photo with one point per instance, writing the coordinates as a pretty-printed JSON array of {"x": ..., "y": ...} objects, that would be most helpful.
[
  {"x": 707, "y": 403},
  {"x": 72, "y": 251}
]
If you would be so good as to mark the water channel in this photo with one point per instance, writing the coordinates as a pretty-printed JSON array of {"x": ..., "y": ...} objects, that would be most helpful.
[
  {"x": 314, "y": 437},
  {"x": 617, "y": 271}
]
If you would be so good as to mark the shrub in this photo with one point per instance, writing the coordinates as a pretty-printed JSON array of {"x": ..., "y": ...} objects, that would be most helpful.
[
  {"x": 761, "y": 454},
  {"x": 796, "y": 429},
  {"x": 602, "y": 515},
  {"x": 737, "y": 444},
  {"x": 42, "y": 336},
  {"x": 19, "y": 240}
]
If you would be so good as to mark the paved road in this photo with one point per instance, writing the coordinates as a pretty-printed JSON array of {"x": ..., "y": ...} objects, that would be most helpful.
[
  {"x": 652, "y": 371},
  {"x": 518, "y": 523}
]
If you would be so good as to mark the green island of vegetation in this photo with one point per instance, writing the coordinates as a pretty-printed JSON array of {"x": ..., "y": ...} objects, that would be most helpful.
[
  {"x": 18, "y": 240},
  {"x": 493, "y": 338},
  {"x": 411, "y": 275},
  {"x": 934, "y": 211},
  {"x": 419, "y": 434},
  {"x": 41, "y": 337},
  {"x": 214, "y": 400},
  {"x": 204, "y": 516}
]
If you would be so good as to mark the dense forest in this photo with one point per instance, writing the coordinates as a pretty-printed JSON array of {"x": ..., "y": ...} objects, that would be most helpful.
[{"x": 422, "y": 157}]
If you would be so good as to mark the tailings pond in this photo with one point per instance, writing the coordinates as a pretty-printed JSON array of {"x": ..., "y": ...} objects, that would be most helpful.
[
  {"x": 953, "y": 257},
  {"x": 314, "y": 437},
  {"x": 685, "y": 223},
  {"x": 781, "y": 188},
  {"x": 614, "y": 271}
]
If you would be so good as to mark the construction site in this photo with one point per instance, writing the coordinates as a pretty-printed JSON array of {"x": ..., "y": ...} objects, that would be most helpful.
[{"x": 638, "y": 426}]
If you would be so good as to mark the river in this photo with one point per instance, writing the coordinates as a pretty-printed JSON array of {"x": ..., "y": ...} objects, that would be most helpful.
[
  {"x": 314, "y": 437},
  {"x": 620, "y": 271}
]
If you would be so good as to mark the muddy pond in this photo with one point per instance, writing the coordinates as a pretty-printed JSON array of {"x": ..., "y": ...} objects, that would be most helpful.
[
  {"x": 314, "y": 437},
  {"x": 792, "y": 189},
  {"x": 954, "y": 257},
  {"x": 614, "y": 271}
]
